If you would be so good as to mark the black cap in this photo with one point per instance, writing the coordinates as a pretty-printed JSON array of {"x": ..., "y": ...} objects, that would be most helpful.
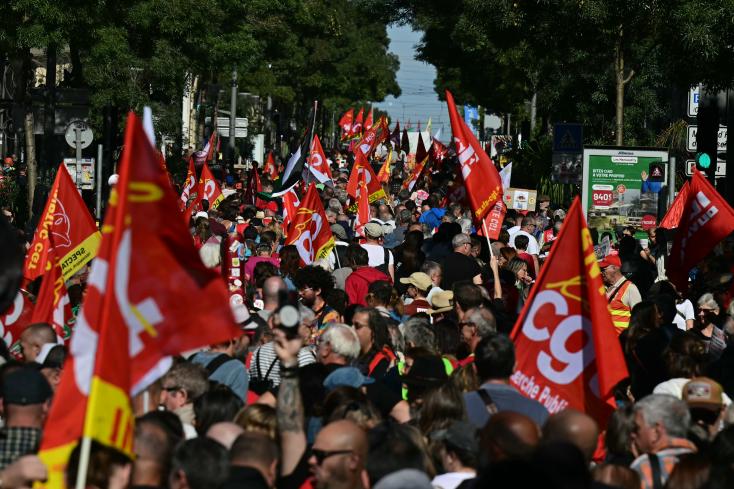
[
  {"x": 459, "y": 435},
  {"x": 426, "y": 372},
  {"x": 26, "y": 385}
]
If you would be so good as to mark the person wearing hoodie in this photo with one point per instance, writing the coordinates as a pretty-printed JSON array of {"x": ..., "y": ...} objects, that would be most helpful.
[{"x": 362, "y": 276}]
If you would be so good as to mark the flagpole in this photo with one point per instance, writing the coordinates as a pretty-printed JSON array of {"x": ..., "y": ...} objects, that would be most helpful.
[
  {"x": 81, "y": 473},
  {"x": 310, "y": 146},
  {"x": 486, "y": 235}
]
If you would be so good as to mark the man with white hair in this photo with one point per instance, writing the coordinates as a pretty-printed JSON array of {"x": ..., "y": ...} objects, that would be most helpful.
[
  {"x": 661, "y": 425},
  {"x": 460, "y": 266},
  {"x": 338, "y": 345}
]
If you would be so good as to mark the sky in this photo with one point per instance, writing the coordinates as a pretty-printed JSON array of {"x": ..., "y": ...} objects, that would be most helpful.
[{"x": 418, "y": 100}]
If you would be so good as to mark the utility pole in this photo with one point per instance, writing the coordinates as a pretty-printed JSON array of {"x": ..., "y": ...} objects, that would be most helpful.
[{"x": 232, "y": 115}]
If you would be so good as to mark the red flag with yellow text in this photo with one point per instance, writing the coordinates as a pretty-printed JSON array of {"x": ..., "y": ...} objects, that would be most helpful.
[
  {"x": 361, "y": 165},
  {"x": 309, "y": 230},
  {"x": 147, "y": 298},
  {"x": 210, "y": 188},
  {"x": 67, "y": 218},
  {"x": 481, "y": 178},
  {"x": 566, "y": 347},
  {"x": 706, "y": 219}
]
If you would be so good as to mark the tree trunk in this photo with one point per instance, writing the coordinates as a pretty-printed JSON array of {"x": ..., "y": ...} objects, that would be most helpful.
[
  {"x": 30, "y": 157},
  {"x": 621, "y": 81},
  {"x": 533, "y": 114}
]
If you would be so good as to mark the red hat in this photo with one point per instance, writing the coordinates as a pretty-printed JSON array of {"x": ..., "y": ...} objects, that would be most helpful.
[
  {"x": 272, "y": 206},
  {"x": 610, "y": 260}
]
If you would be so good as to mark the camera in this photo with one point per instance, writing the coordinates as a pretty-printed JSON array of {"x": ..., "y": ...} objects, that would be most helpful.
[{"x": 287, "y": 317}]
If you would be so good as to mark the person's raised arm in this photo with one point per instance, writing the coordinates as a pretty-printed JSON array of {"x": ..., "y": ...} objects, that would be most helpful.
[
  {"x": 289, "y": 405},
  {"x": 495, "y": 266}
]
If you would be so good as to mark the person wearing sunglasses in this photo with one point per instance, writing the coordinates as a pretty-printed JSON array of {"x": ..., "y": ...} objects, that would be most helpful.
[{"x": 339, "y": 456}]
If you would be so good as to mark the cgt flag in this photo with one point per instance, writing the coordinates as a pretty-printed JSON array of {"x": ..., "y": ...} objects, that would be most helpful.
[
  {"x": 421, "y": 158},
  {"x": 53, "y": 305},
  {"x": 190, "y": 182},
  {"x": 671, "y": 220},
  {"x": 67, "y": 219},
  {"x": 346, "y": 123},
  {"x": 361, "y": 165},
  {"x": 568, "y": 355},
  {"x": 290, "y": 204},
  {"x": 309, "y": 230},
  {"x": 210, "y": 188},
  {"x": 369, "y": 120},
  {"x": 356, "y": 130},
  {"x": 482, "y": 181},
  {"x": 271, "y": 168},
  {"x": 706, "y": 219},
  {"x": 317, "y": 164},
  {"x": 138, "y": 312}
]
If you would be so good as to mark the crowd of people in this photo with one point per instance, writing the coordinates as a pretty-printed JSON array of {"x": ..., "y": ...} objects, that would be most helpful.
[{"x": 387, "y": 364}]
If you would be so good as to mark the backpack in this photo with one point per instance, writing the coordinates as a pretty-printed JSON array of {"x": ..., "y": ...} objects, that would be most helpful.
[{"x": 384, "y": 267}]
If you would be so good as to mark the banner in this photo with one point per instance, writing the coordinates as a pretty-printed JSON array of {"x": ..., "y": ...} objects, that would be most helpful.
[
  {"x": 706, "y": 220},
  {"x": 309, "y": 230},
  {"x": 67, "y": 219},
  {"x": 482, "y": 181},
  {"x": 567, "y": 351}
]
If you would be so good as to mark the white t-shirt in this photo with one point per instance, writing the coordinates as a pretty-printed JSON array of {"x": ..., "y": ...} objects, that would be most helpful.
[
  {"x": 533, "y": 248},
  {"x": 377, "y": 255},
  {"x": 451, "y": 480},
  {"x": 685, "y": 312}
]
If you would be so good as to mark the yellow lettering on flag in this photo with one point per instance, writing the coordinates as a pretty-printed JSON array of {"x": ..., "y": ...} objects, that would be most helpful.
[{"x": 75, "y": 259}]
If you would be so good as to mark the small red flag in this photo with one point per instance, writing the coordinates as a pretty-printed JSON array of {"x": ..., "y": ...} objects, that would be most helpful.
[
  {"x": 567, "y": 351},
  {"x": 15, "y": 320},
  {"x": 270, "y": 168},
  {"x": 671, "y": 220},
  {"x": 368, "y": 122},
  {"x": 290, "y": 204},
  {"x": 210, "y": 188},
  {"x": 67, "y": 219},
  {"x": 309, "y": 230},
  {"x": 361, "y": 165},
  {"x": 482, "y": 181},
  {"x": 52, "y": 304},
  {"x": 317, "y": 163},
  {"x": 346, "y": 123},
  {"x": 363, "y": 207},
  {"x": 492, "y": 222},
  {"x": 421, "y": 158},
  {"x": 706, "y": 219},
  {"x": 190, "y": 182},
  {"x": 356, "y": 130}
]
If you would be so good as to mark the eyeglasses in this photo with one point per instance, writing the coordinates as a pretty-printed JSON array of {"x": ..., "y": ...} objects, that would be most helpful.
[
  {"x": 172, "y": 389},
  {"x": 322, "y": 455}
]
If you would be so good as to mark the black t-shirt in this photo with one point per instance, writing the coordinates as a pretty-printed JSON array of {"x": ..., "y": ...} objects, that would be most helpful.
[{"x": 458, "y": 268}]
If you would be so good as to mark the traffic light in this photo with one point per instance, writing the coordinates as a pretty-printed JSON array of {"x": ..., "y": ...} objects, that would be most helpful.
[{"x": 707, "y": 136}]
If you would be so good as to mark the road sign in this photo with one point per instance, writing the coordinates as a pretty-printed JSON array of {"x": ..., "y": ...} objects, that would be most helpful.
[
  {"x": 692, "y": 143},
  {"x": 693, "y": 96},
  {"x": 240, "y": 127},
  {"x": 81, "y": 171},
  {"x": 568, "y": 138},
  {"x": 720, "y": 168},
  {"x": 86, "y": 136}
]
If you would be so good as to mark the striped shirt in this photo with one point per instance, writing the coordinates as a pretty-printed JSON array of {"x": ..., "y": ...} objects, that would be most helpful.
[{"x": 265, "y": 356}]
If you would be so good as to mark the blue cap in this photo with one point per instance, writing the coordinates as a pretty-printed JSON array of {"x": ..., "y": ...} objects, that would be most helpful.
[{"x": 349, "y": 376}]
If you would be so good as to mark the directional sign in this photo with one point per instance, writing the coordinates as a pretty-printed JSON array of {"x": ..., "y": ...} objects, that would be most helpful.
[
  {"x": 85, "y": 133},
  {"x": 693, "y": 96},
  {"x": 568, "y": 138},
  {"x": 692, "y": 143},
  {"x": 720, "y": 168}
]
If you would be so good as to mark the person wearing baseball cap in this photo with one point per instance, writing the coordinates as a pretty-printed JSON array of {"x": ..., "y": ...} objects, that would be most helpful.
[
  {"x": 459, "y": 450},
  {"x": 705, "y": 399},
  {"x": 379, "y": 257},
  {"x": 419, "y": 284},
  {"x": 622, "y": 294}
]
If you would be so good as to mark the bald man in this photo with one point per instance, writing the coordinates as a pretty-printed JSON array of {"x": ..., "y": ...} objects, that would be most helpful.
[
  {"x": 225, "y": 433},
  {"x": 271, "y": 288},
  {"x": 509, "y": 435},
  {"x": 153, "y": 448},
  {"x": 254, "y": 461},
  {"x": 573, "y": 427},
  {"x": 33, "y": 338},
  {"x": 339, "y": 456}
]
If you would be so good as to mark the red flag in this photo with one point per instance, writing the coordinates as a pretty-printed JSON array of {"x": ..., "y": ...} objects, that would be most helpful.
[
  {"x": 368, "y": 122},
  {"x": 356, "y": 130},
  {"x": 438, "y": 152},
  {"x": 706, "y": 220},
  {"x": 482, "y": 181},
  {"x": 309, "y": 229},
  {"x": 346, "y": 123},
  {"x": 211, "y": 146},
  {"x": 363, "y": 207},
  {"x": 568, "y": 354},
  {"x": 672, "y": 217},
  {"x": 148, "y": 297},
  {"x": 373, "y": 186},
  {"x": 14, "y": 321},
  {"x": 52, "y": 304},
  {"x": 190, "y": 182},
  {"x": 492, "y": 222},
  {"x": 372, "y": 138},
  {"x": 67, "y": 218},
  {"x": 383, "y": 176},
  {"x": 270, "y": 169},
  {"x": 253, "y": 187},
  {"x": 421, "y": 158},
  {"x": 210, "y": 188},
  {"x": 291, "y": 202},
  {"x": 317, "y": 163}
]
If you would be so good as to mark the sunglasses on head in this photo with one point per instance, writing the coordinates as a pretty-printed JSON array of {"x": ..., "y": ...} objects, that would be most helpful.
[{"x": 322, "y": 455}]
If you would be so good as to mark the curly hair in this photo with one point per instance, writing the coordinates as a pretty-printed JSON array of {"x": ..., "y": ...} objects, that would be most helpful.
[{"x": 314, "y": 277}]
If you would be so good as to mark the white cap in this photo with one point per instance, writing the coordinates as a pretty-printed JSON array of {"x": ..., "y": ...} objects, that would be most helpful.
[
  {"x": 45, "y": 349},
  {"x": 201, "y": 214},
  {"x": 113, "y": 179}
]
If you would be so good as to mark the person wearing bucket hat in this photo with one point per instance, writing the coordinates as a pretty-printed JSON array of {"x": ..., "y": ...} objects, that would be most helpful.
[
  {"x": 418, "y": 286},
  {"x": 442, "y": 302},
  {"x": 426, "y": 373}
]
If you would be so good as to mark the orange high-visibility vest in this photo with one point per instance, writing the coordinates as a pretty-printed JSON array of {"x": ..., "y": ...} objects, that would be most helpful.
[{"x": 619, "y": 310}]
